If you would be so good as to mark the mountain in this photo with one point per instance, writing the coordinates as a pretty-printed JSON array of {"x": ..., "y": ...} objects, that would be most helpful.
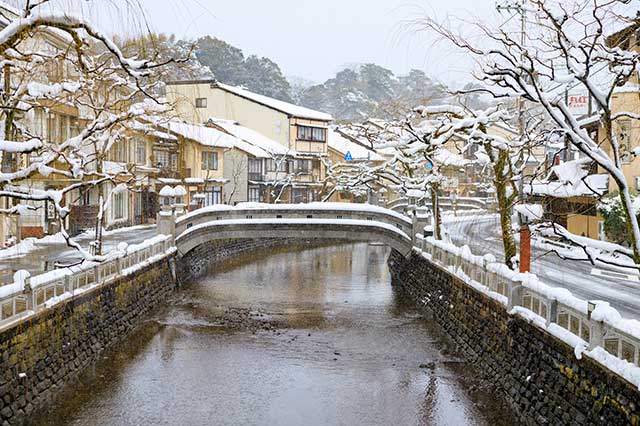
[
  {"x": 370, "y": 90},
  {"x": 230, "y": 66},
  {"x": 355, "y": 93}
]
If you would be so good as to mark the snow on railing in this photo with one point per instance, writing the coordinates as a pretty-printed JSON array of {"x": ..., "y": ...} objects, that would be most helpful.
[
  {"x": 600, "y": 333},
  {"x": 28, "y": 295}
]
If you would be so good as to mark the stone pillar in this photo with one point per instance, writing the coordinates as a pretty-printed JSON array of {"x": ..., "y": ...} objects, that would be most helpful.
[
  {"x": 596, "y": 335},
  {"x": 515, "y": 294},
  {"x": 420, "y": 219},
  {"x": 28, "y": 294},
  {"x": 552, "y": 312},
  {"x": 166, "y": 223}
]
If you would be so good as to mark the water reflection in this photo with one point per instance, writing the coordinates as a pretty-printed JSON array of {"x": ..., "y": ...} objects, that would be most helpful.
[{"x": 308, "y": 337}]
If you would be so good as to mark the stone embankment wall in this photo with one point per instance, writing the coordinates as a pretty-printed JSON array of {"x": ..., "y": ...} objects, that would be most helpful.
[
  {"x": 198, "y": 261},
  {"x": 537, "y": 374},
  {"x": 40, "y": 354}
]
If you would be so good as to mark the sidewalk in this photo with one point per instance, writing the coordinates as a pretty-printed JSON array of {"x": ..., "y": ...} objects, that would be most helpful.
[{"x": 40, "y": 255}]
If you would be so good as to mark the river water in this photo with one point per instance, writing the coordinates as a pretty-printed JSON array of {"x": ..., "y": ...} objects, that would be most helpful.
[{"x": 298, "y": 337}]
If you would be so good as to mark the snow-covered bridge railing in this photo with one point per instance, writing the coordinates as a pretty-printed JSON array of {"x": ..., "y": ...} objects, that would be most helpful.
[
  {"x": 459, "y": 203},
  {"x": 594, "y": 328},
  {"x": 28, "y": 295},
  {"x": 350, "y": 222}
]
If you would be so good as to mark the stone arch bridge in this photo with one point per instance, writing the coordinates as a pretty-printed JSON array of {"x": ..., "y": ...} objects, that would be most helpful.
[{"x": 322, "y": 221}]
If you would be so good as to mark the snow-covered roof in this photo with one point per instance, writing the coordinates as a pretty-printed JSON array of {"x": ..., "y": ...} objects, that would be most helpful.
[
  {"x": 169, "y": 180},
  {"x": 591, "y": 119},
  {"x": 252, "y": 137},
  {"x": 444, "y": 157},
  {"x": 570, "y": 179},
  {"x": 343, "y": 145},
  {"x": 152, "y": 130},
  {"x": 203, "y": 135},
  {"x": 285, "y": 107},
  {"x": 210, "y": 136},
  {"x": 114, "y": 167},
  {"x": 416, "y": 193}
]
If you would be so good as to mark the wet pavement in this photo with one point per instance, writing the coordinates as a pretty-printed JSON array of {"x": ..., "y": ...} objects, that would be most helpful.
[
  {"x": 45, "y": 255},
  {"x": 302, "y": 337}
]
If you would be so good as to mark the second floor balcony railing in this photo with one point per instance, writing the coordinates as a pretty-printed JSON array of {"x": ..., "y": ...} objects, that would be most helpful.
[{"x": 256, "y": 177}]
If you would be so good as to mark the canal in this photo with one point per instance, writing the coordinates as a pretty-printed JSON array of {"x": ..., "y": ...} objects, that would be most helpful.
[{"x": 298, "y": 337}]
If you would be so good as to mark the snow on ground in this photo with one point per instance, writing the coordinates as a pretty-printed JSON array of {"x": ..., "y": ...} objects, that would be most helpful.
[{"x": 28, "y": 245}]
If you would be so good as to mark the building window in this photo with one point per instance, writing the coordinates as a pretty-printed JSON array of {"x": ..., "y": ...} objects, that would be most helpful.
[
  {"x": 201, "y": 102},
  {"x": 255, "y": 195},
  {"x": 121, "y": 151},
  {"x": 276, "y": 165},
  {"x": 255, "y": 166},
  {"x": 303, "y": 166},
  {"x": 165, "y": 159},
  {"x": 118, "y": 201},
  {"x": 301, "y": 195},
  {"x": 210, "y": 160},
  {"x": 141, "y": 153},
  {"x": 213, "y": 195},
  {"x": 313, "y": 134}
]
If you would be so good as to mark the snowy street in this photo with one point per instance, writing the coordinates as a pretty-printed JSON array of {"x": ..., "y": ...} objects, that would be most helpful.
[
  {"x": 41, "y": 256},
  {"x": 482, "y": 235}
]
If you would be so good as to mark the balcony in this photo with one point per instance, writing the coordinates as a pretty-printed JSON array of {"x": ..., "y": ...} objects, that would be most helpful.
[{"x": 256, "y": 177}]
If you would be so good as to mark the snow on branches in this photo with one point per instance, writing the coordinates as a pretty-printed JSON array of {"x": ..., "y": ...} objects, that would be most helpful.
[
  {"x": 569, "y": 46},
  {"x": 59, "y": 66}
]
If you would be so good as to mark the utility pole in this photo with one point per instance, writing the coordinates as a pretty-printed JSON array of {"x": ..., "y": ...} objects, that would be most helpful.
[{"x": 525, "y": 233}]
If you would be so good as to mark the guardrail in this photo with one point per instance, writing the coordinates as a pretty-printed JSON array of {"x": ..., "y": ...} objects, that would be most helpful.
[
  {"x": 597, "y": 325},
  {"x": 36, "y": 293}
]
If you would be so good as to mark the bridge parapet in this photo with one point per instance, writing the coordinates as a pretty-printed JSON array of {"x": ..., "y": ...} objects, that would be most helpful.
[
  {"x": 325, "y": 211},
  {"x": 339, "y": 221}
]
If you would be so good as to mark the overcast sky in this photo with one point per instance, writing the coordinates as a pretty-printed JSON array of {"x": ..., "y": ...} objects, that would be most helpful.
[{"x": 314, "y": 39}]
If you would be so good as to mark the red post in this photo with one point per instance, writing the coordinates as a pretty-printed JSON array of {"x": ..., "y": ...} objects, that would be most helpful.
[{"x": 525, "y": 249}]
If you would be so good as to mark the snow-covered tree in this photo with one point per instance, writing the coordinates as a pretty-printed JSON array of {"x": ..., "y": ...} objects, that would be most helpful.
[
  {"x": 431, "y": 141},
  {"x": 573, "y": 37},
  {"x": 55, "y": 60}
]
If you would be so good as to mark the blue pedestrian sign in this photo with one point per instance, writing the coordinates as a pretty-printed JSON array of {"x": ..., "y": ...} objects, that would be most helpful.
[{"x": 348, "y": 157}]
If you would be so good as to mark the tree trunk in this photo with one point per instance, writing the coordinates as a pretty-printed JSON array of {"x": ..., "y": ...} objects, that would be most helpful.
[
  {"x": 625, "y": 197},
  {"x": 502, "y": 179},
  {"x": 631, "y": 221},
  {"x": 435, "y": 207}
]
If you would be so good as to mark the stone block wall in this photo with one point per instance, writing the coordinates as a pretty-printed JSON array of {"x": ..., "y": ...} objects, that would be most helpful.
[
  {"x": 39, "y": 355},
  {"x": 198, "y": 261},
  {"x": 537, "y": 374}
]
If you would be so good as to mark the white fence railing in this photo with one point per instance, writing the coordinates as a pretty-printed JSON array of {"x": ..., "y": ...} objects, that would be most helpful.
[
  {"x": 600, "y": 326},
  {"x": 38, "y": 292}
]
